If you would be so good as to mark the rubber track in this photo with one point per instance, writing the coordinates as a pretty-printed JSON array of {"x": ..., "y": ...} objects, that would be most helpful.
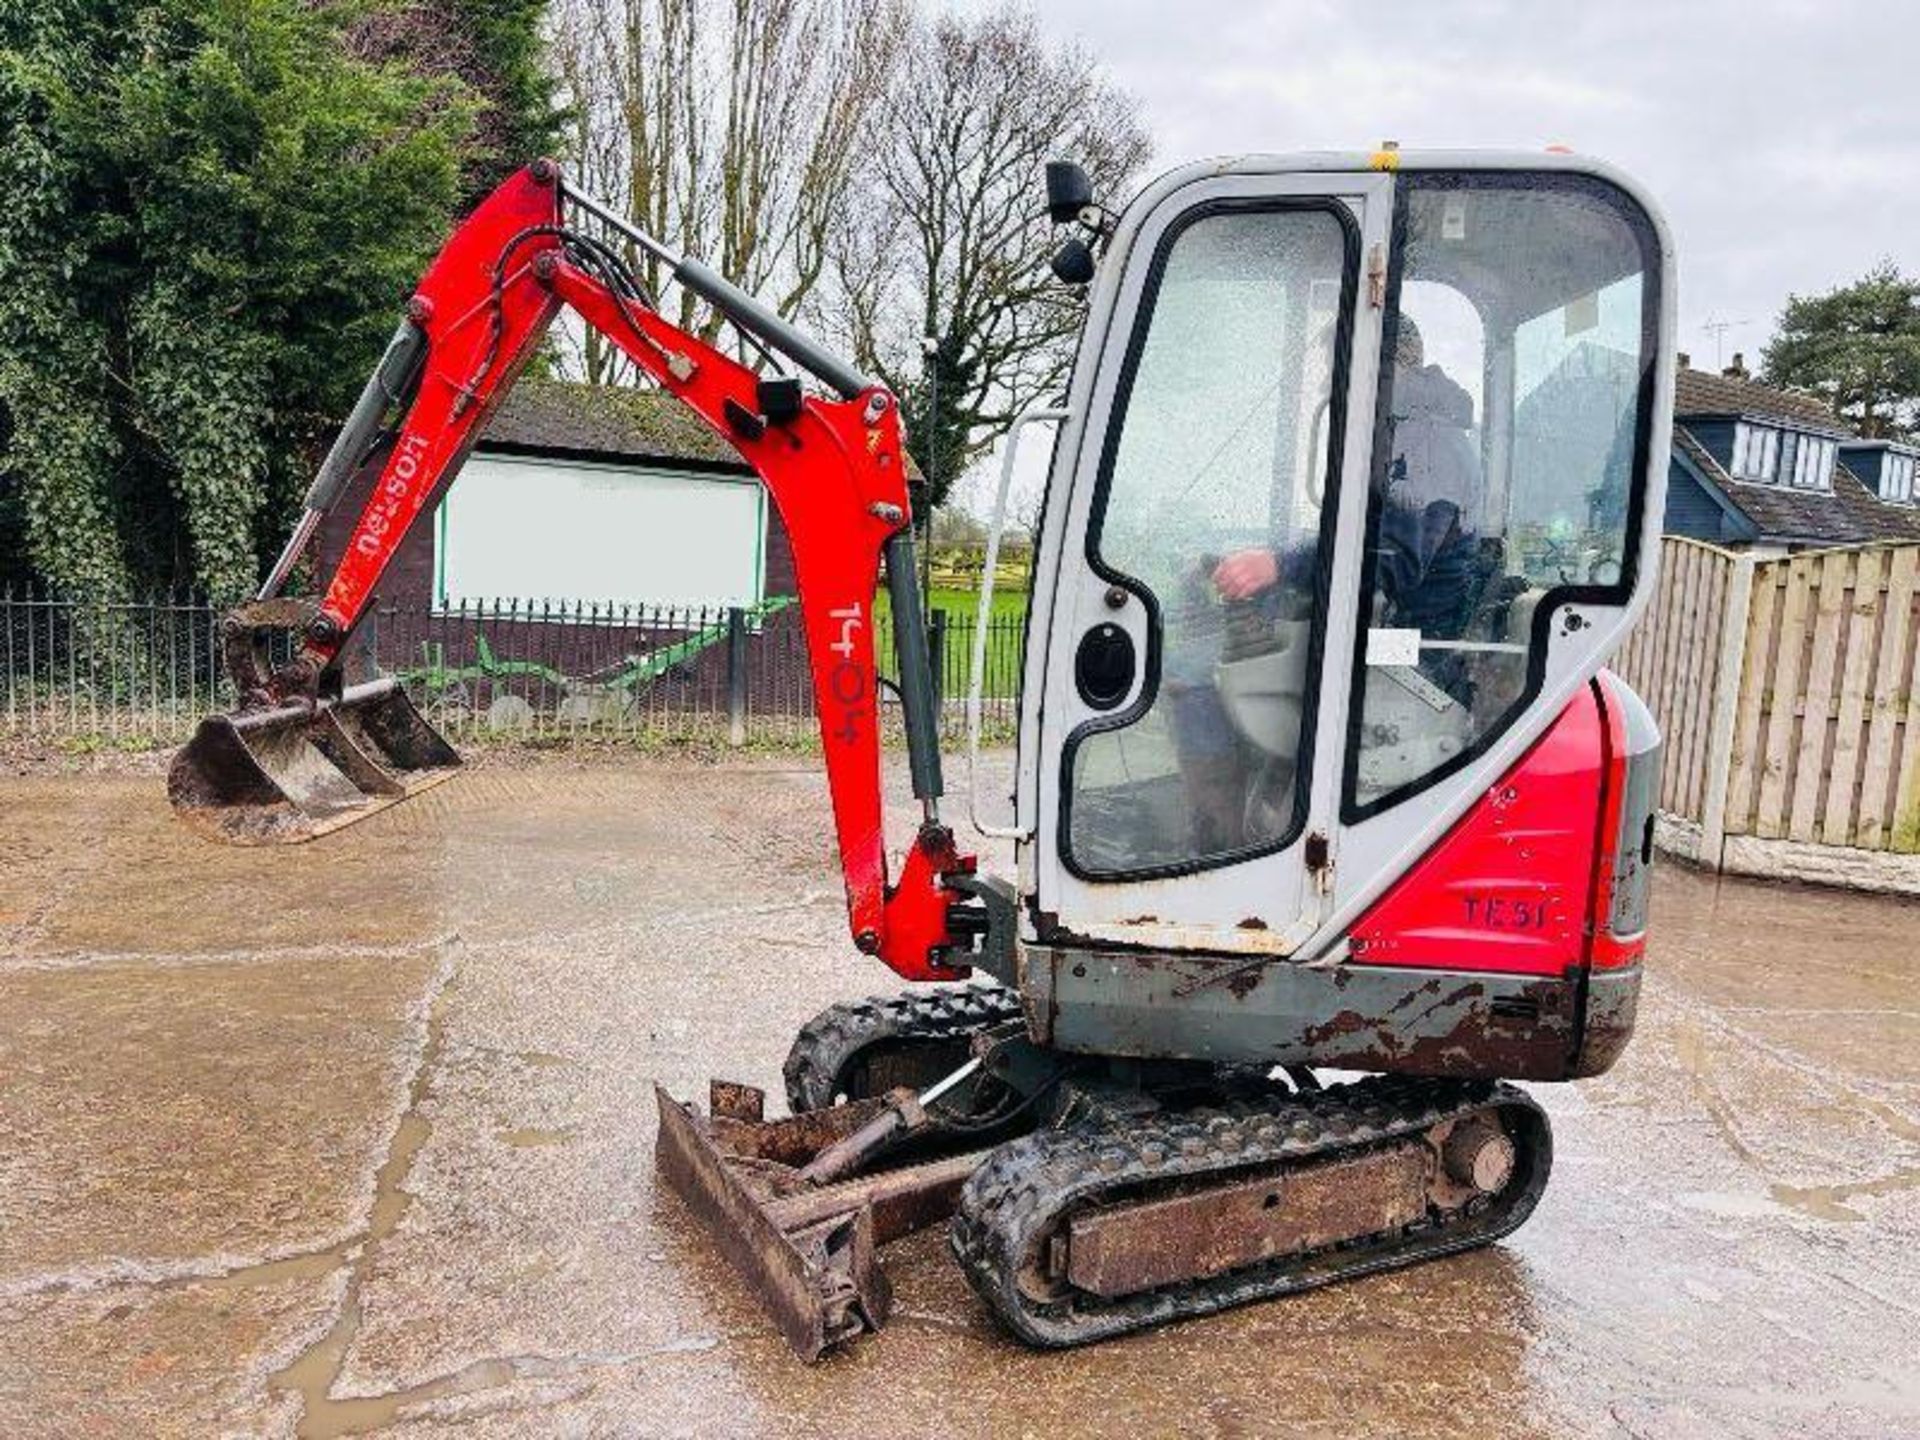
[
  {"x": 830, "y": 1041},
  {"x": 1018, "y": 1195}
]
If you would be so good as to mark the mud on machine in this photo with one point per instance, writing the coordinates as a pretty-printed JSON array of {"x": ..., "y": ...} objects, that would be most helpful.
[{"x": 1354, "y": 491}]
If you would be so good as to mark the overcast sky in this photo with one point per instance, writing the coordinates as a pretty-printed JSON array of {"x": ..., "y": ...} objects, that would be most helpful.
[{"x": 1782, "y": 137}]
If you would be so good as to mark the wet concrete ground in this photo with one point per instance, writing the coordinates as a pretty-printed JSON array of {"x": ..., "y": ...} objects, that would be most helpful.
[{"x": 358, "y": 1137}]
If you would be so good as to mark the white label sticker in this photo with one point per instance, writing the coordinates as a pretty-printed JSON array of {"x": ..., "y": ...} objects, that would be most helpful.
[{"x": 1393, "y": 647}]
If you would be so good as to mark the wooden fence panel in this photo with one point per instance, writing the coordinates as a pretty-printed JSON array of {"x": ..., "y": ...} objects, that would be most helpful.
[
  {"x": 1831, "y": 579},
  {"x": 1866, "y": 609},
  {"x": 1906, "y": 796},
  {"x": 1673, "y": 686},
  {"x": 1641, "y": 667},
  {"x": 1892, "y": 672},
  {"x": 1749, "y": 738},
  {"x": 1671, "y": 662},
  {"x": 1702, "y": 688},
  {"x": 1782, "y": 684},
  {"x": 1788, "y": 693},
  {"x": 1893, "y": 715}
]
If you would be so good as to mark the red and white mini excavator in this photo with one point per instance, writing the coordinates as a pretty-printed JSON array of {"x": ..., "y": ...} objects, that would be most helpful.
[{"x": 1357, "y": 485}]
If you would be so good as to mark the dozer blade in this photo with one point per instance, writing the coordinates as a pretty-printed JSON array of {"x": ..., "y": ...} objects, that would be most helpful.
[
  {"x": 809, "y": 1254},
  {"x": 287, "y": 773}
]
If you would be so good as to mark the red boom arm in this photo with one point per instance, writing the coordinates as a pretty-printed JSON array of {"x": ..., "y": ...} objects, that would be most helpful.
[{"x": 836, "y": 473}]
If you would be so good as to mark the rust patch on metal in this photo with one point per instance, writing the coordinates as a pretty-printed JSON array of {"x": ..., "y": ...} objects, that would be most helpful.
[
  {"x": 1347, "y": 1022},
  {"x": 1155, "y": 960},
  {"x": 900, "y": 1117},
  {"x": 1252, "y": 922},
  {"x": 807, "y": 1251},
  {"x": 1243, "y": 984},
  {"x": 1268, "y": 1009},
  {"x": 730, "y": 1100},
  {"x": 1464, "y": 1030},
  {"x": 1046, "y": 923},
  {"x": 1122, "y": 1251},
  {"x": 1479, "y": 1154},
  {"x": 795, "y": 1139},
  {"x": 820, "y": 1283},
  {"x": 1613, "y": 1006},
  {"x": 902, "y": 1201}
]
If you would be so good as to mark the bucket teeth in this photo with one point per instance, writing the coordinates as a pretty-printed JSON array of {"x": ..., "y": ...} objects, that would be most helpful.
[{"x": 288, "y": 773}]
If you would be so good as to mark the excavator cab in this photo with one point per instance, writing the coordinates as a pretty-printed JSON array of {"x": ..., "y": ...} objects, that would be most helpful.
[
  {"x": 1350, "y": 505},
  {"x": 1354, "y": 491}
]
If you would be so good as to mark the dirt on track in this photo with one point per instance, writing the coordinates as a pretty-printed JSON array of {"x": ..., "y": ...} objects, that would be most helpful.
[{"x": 357, "y": 1137}]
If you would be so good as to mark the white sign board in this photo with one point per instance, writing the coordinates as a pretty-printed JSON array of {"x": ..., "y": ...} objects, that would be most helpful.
[{"x": 545, "y": 531}]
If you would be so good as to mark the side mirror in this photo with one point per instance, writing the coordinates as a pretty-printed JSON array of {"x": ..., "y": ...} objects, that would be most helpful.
[
  {"x": 1069, "y": 191},
  {"x": 1073, "y": 262}
]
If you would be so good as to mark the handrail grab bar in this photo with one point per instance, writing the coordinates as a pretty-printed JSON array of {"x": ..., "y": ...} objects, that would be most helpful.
[{"x": 977, "y": 678}]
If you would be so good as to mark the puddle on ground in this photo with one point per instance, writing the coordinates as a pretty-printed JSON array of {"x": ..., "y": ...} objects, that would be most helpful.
[
  {"x": 1734, "y": 1204},
  {"x": 1828, "y": 1202},
  {"x": 532, "y": 1139},
  {"x": 1814, "y": 1202},
  {"x": 312, "y": 1374}
]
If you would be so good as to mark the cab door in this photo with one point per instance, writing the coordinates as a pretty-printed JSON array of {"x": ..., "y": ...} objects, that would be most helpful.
[
  {"x": 1518, "y": 475},
  {"x": 1181, "y": 789}
]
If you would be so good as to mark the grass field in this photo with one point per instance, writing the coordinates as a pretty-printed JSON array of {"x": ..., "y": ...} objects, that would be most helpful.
[{"x": 1008, "y": 603}]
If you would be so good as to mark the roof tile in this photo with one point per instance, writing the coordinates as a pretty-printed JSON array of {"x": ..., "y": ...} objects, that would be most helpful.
[
  {"x": 616, "y": 421},
  {"x": 1698, "y": 393},
  {"x": 1849, "y": 514}
]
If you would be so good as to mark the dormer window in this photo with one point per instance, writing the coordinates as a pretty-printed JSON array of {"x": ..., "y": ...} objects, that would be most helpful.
[
  {"x": 1769, "y": 455},
  {"x": 1756, "y": 453},
  {"x": 1811, "y": 463},
  {"x": 1896, "y": 478}
]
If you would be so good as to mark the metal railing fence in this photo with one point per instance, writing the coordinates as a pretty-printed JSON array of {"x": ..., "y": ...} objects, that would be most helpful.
[{"x": 143, "y": 672}]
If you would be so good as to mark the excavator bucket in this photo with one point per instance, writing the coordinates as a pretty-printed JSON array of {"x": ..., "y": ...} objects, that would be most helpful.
[
  {"x": 276, "y": 772},
  {"x": 281, "y": 774}
]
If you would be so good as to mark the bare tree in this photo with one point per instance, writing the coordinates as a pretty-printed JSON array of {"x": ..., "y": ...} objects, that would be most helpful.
[
  {"x": 729, "y": 128},
  {"x": 943, "y": 284}
]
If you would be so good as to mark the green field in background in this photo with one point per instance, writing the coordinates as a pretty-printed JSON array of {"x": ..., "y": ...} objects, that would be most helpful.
[{"x": 1008, "y": 605}]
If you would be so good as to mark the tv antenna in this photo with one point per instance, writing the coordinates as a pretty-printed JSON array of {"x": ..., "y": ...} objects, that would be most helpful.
[{"x": 1718, "y": 329}]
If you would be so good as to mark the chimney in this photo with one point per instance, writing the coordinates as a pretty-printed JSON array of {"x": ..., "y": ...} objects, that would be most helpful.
[
  {"x": 1738, "y": 369},
  {"x": 1683, "y": 360}
]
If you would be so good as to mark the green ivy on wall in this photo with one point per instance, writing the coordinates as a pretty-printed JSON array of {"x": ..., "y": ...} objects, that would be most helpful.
[{"x": 215, "y": 210}]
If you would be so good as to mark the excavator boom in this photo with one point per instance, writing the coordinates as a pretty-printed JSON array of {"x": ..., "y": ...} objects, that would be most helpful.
[{"x": 305, "y": 753}]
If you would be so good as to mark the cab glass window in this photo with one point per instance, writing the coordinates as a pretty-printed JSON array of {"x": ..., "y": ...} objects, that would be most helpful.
[
  {"x": 1209, "y": 513},
  {"x": 1515, "y": 380}
]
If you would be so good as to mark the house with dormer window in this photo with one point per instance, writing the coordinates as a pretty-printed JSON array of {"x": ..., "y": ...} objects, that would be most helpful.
[
  {"x": 1772, "y": 470},
  {"x": 1886, "y": 467}
]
